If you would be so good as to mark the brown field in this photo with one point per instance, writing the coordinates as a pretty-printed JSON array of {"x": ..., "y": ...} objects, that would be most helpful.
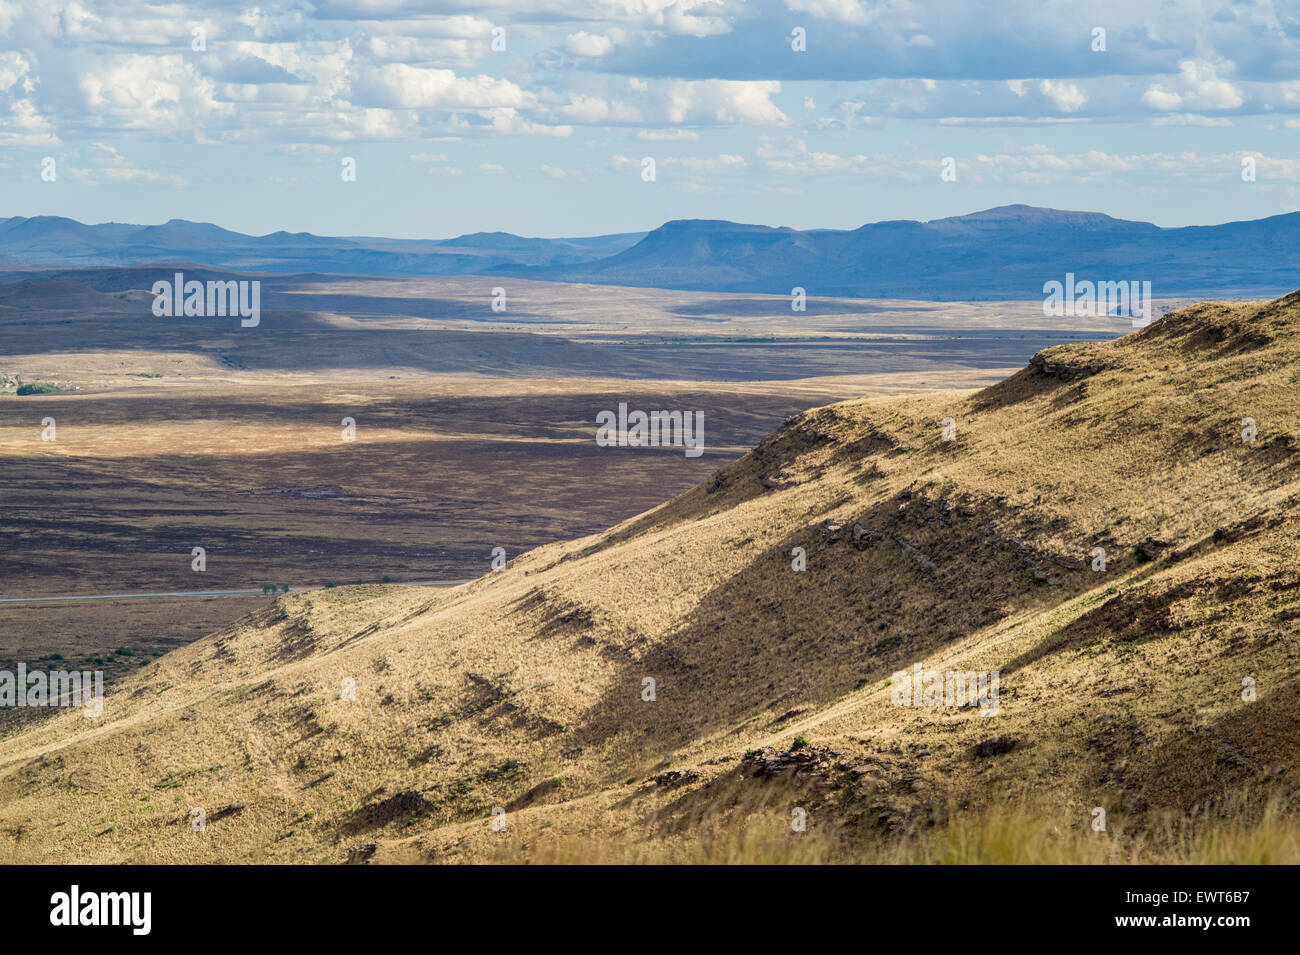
[
  {"x": 1122, "y": 689},
  {"x": 474, "y": 428}
]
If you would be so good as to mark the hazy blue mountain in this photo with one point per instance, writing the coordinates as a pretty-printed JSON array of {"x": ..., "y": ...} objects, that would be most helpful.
[
  {"x": 1007, "y": 252},
  {"x": 55, "y": 241}
]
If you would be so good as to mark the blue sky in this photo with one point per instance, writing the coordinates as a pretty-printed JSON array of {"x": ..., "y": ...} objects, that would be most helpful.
[{"x": 547, "y": 136}]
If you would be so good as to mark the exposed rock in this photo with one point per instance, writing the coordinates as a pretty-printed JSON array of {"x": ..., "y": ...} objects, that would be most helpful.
[
  {"x": 832, "y": 531},
  {"x": 995, "y": 745},
  {"x": 361, "y": 854},
  {"x": 769, "y": 761},
  {"x": 889, "y": 816},
  {"x": 864, "y": 537},
  {"x": 1151, "y": 548},
  {"x": 1064, "y": 370},
  {"x": 676, "y": 777},
  {"x": 1040, "y": 572},
  {"x": 913, "y": 552}
]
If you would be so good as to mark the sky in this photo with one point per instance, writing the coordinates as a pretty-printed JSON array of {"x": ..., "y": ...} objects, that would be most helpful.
[{"x": 537, "y": 116}]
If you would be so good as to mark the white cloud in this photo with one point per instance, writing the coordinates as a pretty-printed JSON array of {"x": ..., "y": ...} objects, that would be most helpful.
[
  {"x": 842, "y": 11},
  {"x": 793, "y": 157},
  {"x": 100, "y": 162},
  {"x": 588, "y": 44},
  {"x": 726, "y": 102},
  {"x": 667, "y": 135},
  {"x": 507, "y": 121},
  {"x": 1200, "y": 88},
  {"x": 1190, "y": 119},
  {"x": 398, "y": 86},
  {"x": 157, "y": 94},
  {"x": 555, "y": 172},
  {"x": 702, "y": 165},
  {"x": 83, "y": 71},
  {"x": 1067, "y": 97},
  {"x": 594, "y": 110},
  {"x": 848, "y": 115}
]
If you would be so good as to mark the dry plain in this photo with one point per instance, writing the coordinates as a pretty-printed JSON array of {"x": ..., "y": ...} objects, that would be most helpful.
[
  {"x": 1159, "y": 688},
  {"x": 474, "y": 428}
]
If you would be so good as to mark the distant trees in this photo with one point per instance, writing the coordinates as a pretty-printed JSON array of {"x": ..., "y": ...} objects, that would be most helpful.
[{"x": 40, "y": 388}]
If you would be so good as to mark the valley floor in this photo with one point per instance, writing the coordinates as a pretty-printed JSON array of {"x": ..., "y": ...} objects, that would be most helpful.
[{"x": 720, "y": 677}]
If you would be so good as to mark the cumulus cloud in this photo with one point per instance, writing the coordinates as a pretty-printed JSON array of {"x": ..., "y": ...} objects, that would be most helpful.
[
  {"x": 588, "y": 44},
  {"x": 839, "y": 11},
  {"x": 161, "y": 94},
  {"x": 399, "y": 86},
  {"x": 1197, "y": 87},
  {"x": 724, "y": 102},
  {"x": 1067, "y": 97},
  {"x": 714, "y": 76}
]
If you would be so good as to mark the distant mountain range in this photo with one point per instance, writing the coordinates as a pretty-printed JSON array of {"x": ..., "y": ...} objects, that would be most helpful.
[
  {"x": 53, "y": 241},
  {"x": 1002, "y": 253}
]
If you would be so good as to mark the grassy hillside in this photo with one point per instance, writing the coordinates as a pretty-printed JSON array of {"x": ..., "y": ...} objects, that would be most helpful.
[{"x": 1121, "y": 689}]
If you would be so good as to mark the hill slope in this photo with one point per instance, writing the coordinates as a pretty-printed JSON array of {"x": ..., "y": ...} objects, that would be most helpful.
[{"x": 1121, "y": 688}]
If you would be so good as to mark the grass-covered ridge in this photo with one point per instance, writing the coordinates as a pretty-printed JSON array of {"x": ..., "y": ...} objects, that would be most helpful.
[{"x": 1161, "y": 690}]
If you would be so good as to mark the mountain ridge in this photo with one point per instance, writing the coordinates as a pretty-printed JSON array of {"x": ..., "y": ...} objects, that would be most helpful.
[
  {"x": 1006, "y": 252},
  {"x": 770, "y": 680}
]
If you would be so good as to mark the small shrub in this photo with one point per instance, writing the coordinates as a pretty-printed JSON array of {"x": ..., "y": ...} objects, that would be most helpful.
[{"x": 40, "y": 388}]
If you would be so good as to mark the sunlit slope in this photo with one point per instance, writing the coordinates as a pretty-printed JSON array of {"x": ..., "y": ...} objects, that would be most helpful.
[{"x": 1121, "y": 688}]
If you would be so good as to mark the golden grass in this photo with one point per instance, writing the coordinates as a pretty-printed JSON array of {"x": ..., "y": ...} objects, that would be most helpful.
[
  {"x": 1121, "y": 689},
  {"x": 1021, "y": 834}
]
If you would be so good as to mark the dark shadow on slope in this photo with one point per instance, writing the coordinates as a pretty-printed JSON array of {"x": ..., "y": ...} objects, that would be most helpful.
[
  {"x": 1252, "y": 750},
  {"x": 915, "y": 578}
]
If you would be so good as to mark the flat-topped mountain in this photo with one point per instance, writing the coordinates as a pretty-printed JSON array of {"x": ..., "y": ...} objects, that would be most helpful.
[
  {"x": 1004, "y": 253},
  {"x": 1007, "y": 252}
]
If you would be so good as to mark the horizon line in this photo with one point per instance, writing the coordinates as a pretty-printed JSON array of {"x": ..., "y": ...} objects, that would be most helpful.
[{"x": 645, "y": 232}]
